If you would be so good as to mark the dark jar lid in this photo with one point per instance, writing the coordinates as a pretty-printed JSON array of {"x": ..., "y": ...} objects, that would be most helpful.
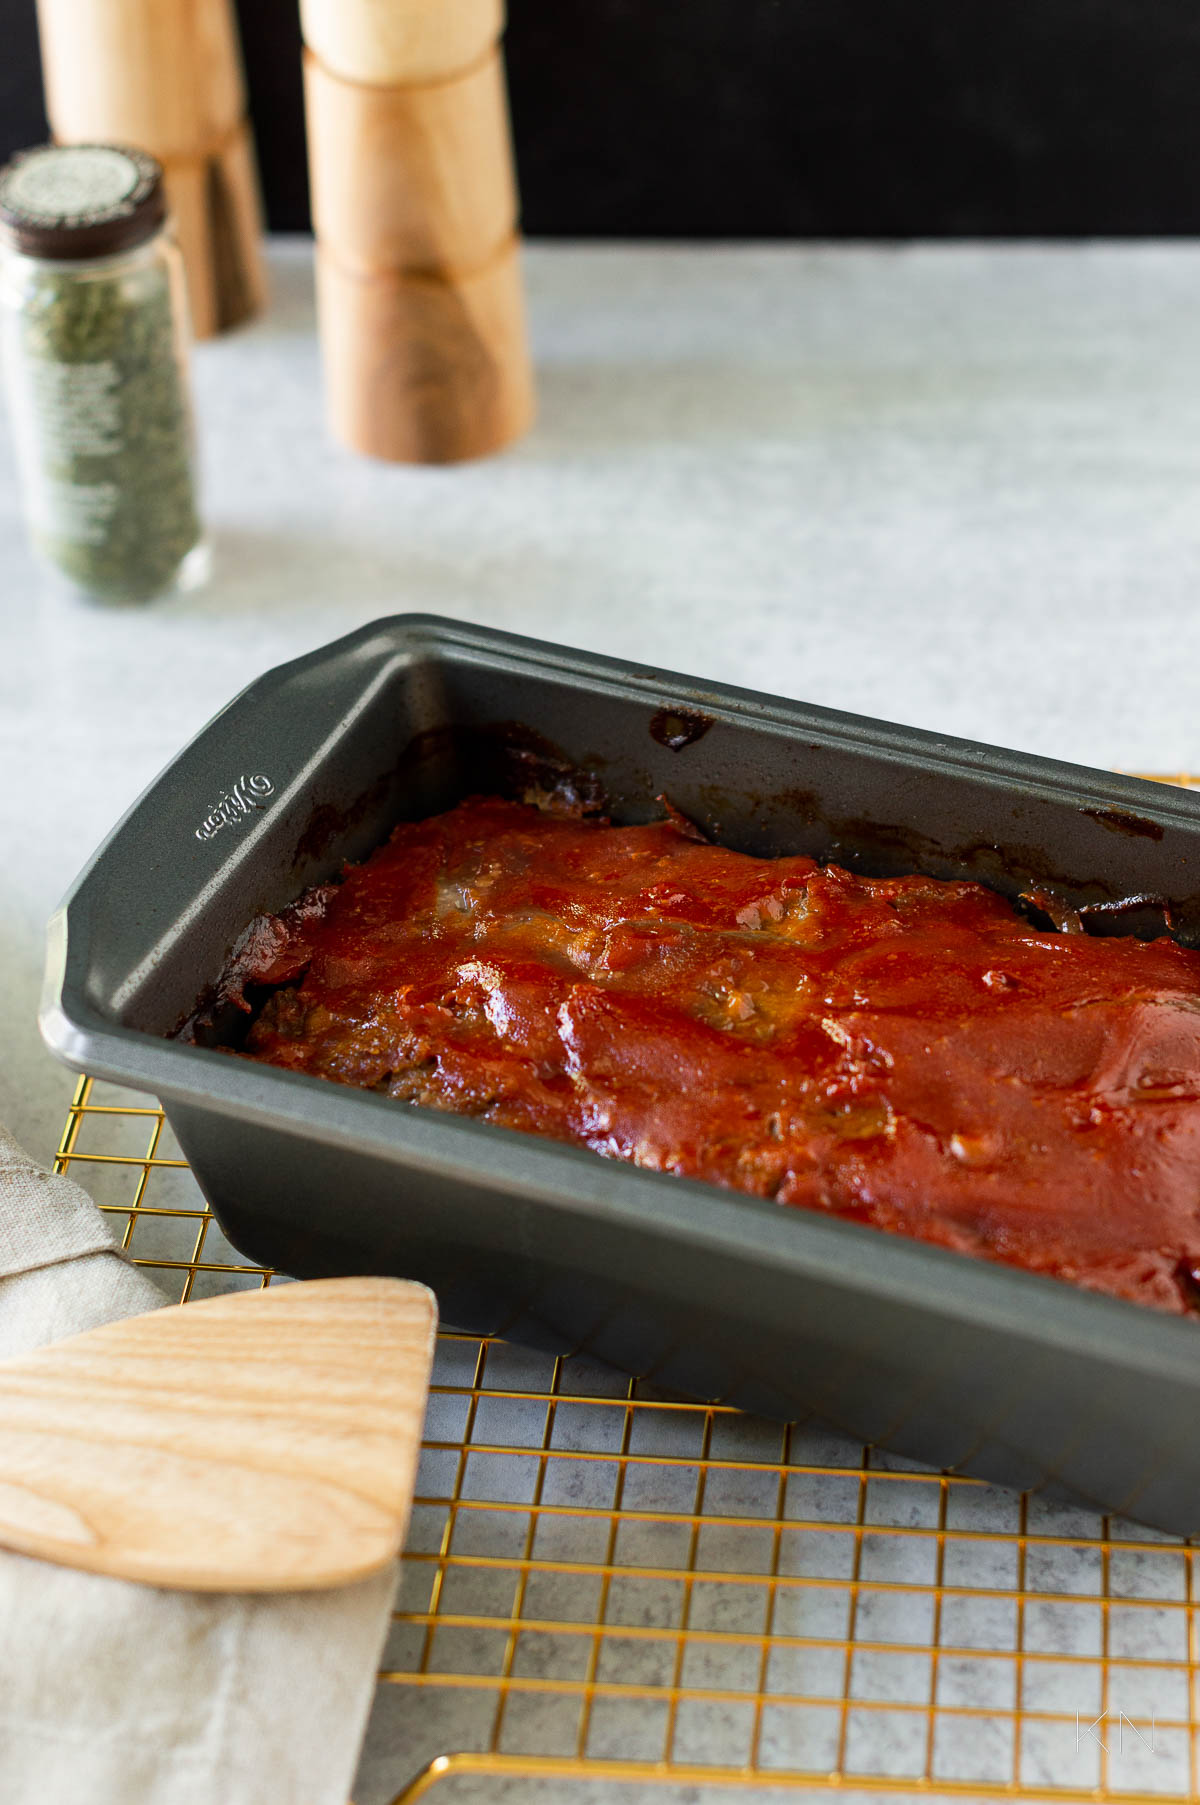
[{"x": 66, "y": 202}]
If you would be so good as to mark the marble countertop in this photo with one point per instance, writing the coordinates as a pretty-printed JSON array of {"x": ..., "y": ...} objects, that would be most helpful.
[{"x": 954, "y": 486}]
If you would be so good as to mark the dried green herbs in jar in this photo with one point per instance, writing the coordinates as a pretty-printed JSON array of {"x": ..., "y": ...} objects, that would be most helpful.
[{"x": 93, "y": 321}]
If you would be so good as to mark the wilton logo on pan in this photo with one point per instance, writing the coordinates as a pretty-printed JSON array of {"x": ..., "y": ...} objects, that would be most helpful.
[{"x": 246, "y": 795}]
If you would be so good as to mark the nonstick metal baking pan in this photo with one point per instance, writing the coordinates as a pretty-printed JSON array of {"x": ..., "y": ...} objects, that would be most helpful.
[{"x": 972, "y": 1366}]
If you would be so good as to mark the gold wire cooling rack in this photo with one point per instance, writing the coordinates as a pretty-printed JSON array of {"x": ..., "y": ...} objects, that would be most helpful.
[{"x": 609, "y": 1590}]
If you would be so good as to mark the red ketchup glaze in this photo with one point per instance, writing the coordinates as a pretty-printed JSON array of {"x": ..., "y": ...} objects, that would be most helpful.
[{"x": 906, "y": 1052}]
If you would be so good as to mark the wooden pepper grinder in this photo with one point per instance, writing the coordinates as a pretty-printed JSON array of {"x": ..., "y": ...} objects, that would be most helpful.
[
  {"x": 415, "y": 212},
  {"x": 166, "y": 76}
]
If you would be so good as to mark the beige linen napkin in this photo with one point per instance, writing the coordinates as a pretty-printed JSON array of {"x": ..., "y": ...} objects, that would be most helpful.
[{"x": 119, "y": 1694}]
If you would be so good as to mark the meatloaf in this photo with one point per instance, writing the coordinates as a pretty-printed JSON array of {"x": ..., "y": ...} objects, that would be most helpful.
[{"x": 906, "y": 1052}]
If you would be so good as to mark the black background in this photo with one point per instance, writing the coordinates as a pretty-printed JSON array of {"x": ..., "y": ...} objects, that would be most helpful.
[{"x": 765, "y": 118}]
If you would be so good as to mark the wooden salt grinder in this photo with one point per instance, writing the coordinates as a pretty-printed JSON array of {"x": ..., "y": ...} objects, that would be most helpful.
[
  {"x": 166, "y": 76},
  {"x": 415, "y": 212}
]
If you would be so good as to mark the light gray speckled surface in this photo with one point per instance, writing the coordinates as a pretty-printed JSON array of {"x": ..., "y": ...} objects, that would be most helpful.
[{"x": 953, "y": 486}]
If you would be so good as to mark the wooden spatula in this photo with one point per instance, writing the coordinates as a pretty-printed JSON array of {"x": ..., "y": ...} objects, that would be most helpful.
[{"x": 265, "y": 1441}]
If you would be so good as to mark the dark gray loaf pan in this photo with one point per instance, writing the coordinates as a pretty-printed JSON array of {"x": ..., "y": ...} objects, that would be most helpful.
[{"x": 972, "y": 1366}]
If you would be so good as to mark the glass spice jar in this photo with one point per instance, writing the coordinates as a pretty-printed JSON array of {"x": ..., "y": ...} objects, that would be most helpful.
[{"x": 93, "y": 330}]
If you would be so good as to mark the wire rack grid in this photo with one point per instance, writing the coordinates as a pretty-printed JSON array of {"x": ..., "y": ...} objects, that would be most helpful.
[{"x": 608, "y": 1590}]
